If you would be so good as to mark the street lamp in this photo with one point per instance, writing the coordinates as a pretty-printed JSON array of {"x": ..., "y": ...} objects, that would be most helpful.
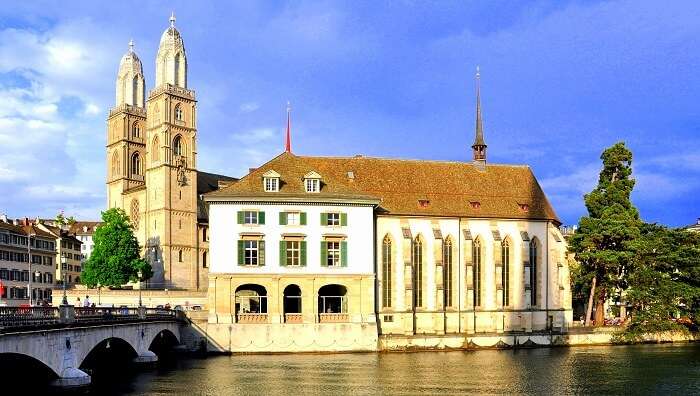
[
  {"x": 63, "y": 263},
  {"x": 29, "y": 253},
  {"x": 140, "y": 274}
]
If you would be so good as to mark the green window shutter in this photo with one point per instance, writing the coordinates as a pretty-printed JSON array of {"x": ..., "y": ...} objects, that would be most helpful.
[
  {"x": 261, "y": 217},
  {"x": 302, "y": 253},
  {"x": 283, "y": 218},
  {"x": 261, "y": 253},
  {"x": 302, "y": 218},
  {"x": 343, "y": 219},
  {"x": 324, "y": 219},
  {"x": 344, "y": 254},
  {"x": 283, "y": 253},
  {"x": 241, "y": 251},
  {"x": 240, "y": 217},
  {"x": 324, "y": 254}
]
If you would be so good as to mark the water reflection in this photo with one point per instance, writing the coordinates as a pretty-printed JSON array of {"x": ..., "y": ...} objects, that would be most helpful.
[{"x": 659, "y": 369}]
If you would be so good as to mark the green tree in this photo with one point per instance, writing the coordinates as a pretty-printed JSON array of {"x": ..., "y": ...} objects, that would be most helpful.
[
  {"x": 115, "y": 259},
  {"x": 602, "y": 242},
  {"x": 664, "y": 280},
  {"x": 62, "y": 220}
]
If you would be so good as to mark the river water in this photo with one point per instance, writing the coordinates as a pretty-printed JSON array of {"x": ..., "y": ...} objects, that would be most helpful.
[{"x": 644, "y": 369}]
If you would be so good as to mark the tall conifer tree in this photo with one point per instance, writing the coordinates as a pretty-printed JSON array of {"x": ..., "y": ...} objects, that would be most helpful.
[{"x": 603, "y": 241}]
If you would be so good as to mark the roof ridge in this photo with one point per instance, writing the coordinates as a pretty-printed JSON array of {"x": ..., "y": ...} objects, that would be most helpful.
[{"x": 409, "y": 160}]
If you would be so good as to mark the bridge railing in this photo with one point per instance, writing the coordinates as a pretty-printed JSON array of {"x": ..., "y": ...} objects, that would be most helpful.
[
  {"x": 160, "y": 313},
  {"x": 14, "y": 317},
  {"x": 101, "y": 314}
]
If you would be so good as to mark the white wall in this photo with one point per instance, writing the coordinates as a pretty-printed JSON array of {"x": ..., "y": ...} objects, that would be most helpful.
[{"x": 225, "y": 232}]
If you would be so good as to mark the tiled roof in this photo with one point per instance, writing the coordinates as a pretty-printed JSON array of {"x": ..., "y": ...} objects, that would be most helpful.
[
  {"x": 207, "y": 182},
  {"x": 407, "y": 187},
  {"x": 78, "y": 227}
]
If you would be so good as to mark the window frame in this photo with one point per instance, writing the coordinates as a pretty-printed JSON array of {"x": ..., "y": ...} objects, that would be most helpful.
[
  {"x": 251, "y": 252},
  {"x": 250, "y": 217},
  {"x": 333, "y": 255},
  {"x": 271, "y": 184},
  {"x": 312, "y": 185}
]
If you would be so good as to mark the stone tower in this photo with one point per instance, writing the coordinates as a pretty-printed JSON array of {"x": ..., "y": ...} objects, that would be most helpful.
[{"x": 152, "y": 174}]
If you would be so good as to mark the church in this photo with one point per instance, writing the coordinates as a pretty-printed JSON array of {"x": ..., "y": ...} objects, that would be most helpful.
[
  {"x": 317, "y": 253},
  {"x": 152, "y": 166},
  {"x": 314, "y": 253}
]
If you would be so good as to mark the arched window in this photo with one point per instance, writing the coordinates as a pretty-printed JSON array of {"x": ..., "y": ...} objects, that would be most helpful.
[
  {"x": 505, "y": 274},
  {"x": 178, "y": 112},
  {"x": 136, "y": 130},
  {"x": 533, "y": 271},
  {"x": 292, "y": 304},
  {"x": 333, "y": 303},
  {"x": 476, "y": 273},
  {"x": 447, "y": 271},
  {"x": 417, "y": 260},
  {"x": 204, "y": 260},
  {"x": 134, "y": 91},
  {"x": 177, "y": 71},
  {"x": 155, "y": 149},
  {"x": 250, "y": 299},
  {"x": 386, "y": 272},
  {"x": 179, "y": 255},
  {"x": 135, "y": 164},
  {"x": 177, "y": 146},
  {"x": 116, "y": 171}
]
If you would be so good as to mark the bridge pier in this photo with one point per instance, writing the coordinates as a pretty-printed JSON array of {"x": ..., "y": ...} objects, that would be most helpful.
[
  {"x": 72, "y": 378},
  {"x": 145, "y": 358}
]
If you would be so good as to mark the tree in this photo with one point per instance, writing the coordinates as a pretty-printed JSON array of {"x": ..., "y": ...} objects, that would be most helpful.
[
  {"x": 602, "y": 242},
  {"x": 664, "y": 280},
  {"x": 62, "y": 220},
  {"x": 115, "y": 259}
]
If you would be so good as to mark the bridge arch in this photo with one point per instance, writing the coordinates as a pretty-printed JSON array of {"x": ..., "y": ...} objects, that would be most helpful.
[{"x": 27, "y": 370}]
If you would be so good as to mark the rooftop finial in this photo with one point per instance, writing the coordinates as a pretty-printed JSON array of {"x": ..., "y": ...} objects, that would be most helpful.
[
  {"x": 131, "y": 45},
  {"x": 288, "y": 139},
  {"x": 172, "y": 19}
]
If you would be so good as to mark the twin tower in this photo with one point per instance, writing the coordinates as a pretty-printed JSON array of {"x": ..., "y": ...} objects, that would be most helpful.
[{"x": 151, "y": 164}]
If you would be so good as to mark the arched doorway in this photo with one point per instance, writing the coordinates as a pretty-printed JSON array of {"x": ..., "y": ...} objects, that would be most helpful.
[
  {"x": 251, "y": 304},
  {"x": 333, "y": 304},
  {"x": 292, "y": 304}
]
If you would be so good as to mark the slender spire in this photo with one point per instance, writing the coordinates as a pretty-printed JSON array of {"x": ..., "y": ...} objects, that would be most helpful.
[
  {"x": 479, "y": 146},
  {"x": 288, "y": 140},
  {"x": 131, "y": 45},
  {"x": 172, "y": 19}
]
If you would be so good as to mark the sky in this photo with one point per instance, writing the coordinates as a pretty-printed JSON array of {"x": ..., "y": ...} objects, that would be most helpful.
[{"x": 560, "y": 82}]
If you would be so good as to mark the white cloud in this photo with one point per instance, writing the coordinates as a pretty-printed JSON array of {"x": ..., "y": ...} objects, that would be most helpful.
[{"x": 249, "y": 107}]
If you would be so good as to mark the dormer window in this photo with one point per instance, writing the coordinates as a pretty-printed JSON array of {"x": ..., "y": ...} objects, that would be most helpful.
[
  {"x": 312, "y": 182},
  {"x": 524, "y": 207},
  {"x": 475, "y": 204},
  {"x": 271, "y": 181}
]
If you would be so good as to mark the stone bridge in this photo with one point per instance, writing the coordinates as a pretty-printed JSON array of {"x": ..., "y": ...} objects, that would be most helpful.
[{"x": 65, "y": 349}]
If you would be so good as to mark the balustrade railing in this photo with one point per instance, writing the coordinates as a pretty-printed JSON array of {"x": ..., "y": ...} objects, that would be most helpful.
[
  {"x": 333, "y": 317},
  {"x": 251, "y": 318},
  {"x": 11, "y": 317},
  {"x": 100, "y": 314},
  {"x": 160, "y": 313}
]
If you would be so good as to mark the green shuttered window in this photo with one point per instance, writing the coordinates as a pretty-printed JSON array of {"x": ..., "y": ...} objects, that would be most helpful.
[
  {"x": 250, "y": 217},
  {"x": 334, "y": 254}
]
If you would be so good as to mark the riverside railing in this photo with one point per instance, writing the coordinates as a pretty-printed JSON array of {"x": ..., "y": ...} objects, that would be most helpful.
[{"x": 14, "y": 317}]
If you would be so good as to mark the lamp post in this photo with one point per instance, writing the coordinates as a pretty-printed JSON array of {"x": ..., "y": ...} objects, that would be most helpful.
[
  {"x": 140, "y": 274},
  {"x": 29, "y": 253},
  {"x": 63, "y": 273}
]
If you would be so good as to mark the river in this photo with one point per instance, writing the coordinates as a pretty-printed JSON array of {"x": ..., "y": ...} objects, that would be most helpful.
[{"x": 643, "y": 369}]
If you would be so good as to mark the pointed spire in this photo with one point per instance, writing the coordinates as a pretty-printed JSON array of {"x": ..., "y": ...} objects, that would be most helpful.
[
  {"x": 172, "y": 19},
  {"x": 288, "y": 140},
  {"x": 479, "y": 146},
  {"x": 131, "y": 45}
]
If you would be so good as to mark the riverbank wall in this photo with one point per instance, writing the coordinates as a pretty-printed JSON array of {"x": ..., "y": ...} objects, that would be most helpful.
[{"x": 337, "y": 338}]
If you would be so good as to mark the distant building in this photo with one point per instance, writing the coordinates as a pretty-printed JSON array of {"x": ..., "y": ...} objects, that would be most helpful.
[
  {"x": 84, "y": 230},
  {"x": 68, "y": 247},
  {"x": 20, "y": 243},
  {"x": 694, "y": 227}
]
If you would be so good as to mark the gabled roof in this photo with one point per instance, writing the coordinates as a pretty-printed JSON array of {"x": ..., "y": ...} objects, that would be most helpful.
[
  {"x": 207, "y": 182},
  {"x": 449, "y": 187}
]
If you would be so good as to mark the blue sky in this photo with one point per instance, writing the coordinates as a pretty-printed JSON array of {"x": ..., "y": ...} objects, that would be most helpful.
[{"x": 561, "y": 80}]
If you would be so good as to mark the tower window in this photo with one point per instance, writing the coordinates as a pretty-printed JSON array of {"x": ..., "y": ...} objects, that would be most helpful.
[
  {"x": 179, "y": 255},
  {"x": 136, "y": 130},
  {"x": 178, "y": 113},
  {"x": 135, "y": 164},
  {"x": 177, "y": 146}
]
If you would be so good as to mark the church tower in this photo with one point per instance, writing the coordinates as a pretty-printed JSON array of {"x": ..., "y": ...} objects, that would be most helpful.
[
  {"x": 126, "y": 126},
  {"x": 171, "y": 176}
]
